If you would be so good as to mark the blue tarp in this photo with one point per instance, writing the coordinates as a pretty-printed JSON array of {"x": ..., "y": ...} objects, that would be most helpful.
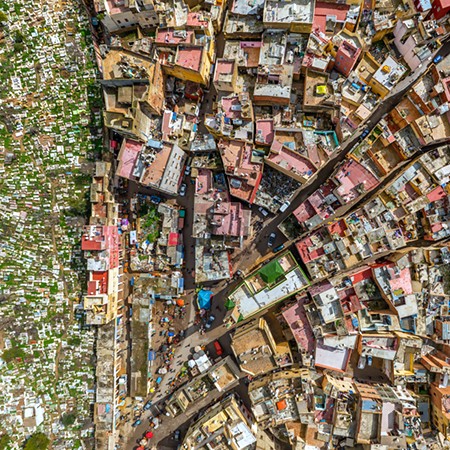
[
  {"x": 204, "y": 299},
  {"x": 151, "y": 355}
]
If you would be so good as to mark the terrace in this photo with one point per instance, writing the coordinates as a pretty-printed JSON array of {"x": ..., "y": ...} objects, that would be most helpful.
[
  {"x": 286, "y": 12},
  {"x": 290, "y": 162},
  {"x": 354, "y": 180},
  {"x": 276, "y": 280},
  {"x": 189, "y": 58}
]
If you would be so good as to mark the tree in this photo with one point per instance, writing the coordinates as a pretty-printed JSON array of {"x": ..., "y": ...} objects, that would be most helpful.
[
  {"x": 18, "y": 37},
  {"x": 37, "y": 441},
  {"x": 4, "y": 441},
  {"x": 13, "y": 353},
  {"x": 68, "y": 419},
  {"x": 3, "y": 18}
]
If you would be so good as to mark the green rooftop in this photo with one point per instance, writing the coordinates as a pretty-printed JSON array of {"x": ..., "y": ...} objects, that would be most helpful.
[{"x": 271, "y": 272}]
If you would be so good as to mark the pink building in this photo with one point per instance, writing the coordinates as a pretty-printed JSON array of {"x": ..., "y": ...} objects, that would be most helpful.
[
  {"x": 323, "y": 10},
  {"x": 225, "y": 75},
  {"x": 440, "y": 8},
  {"x": 290, "y": 162},
  {"x": 346, "y": 58},
  {"x": 298, "y": 322},
  {"x": 171, "y": 37},
  {"x": 243, "y": 169},
  {"x": 264, "y": 131},
  {"x": 353, "y": 180},
  {"x": 407, "y": 46},
  {"x": 102, "y": 239},
  {"x": 128, "y": 156}
]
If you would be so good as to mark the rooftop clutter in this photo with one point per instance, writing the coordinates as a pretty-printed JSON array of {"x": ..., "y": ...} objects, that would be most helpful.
[
  {"x": 363, "y": 293},
  {"x": 348, "y": 94}
]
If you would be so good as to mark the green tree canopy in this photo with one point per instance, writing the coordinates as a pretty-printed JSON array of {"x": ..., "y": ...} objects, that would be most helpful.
[
  {"x": 4, "y": 441},
  {"x": 37, "y": 441},
  {"x": 68, "y": 419}
]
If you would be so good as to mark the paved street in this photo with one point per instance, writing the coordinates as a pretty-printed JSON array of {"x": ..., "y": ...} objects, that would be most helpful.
[{"x": 245, "y": 262}]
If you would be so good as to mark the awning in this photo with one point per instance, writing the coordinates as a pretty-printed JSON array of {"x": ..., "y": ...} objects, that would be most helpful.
[
  {"x": 173, "y": 239},
  {"x": 204, "y": 299},
  {"x": 229, "y": 305},
  {"x": 281, "y": 405}
]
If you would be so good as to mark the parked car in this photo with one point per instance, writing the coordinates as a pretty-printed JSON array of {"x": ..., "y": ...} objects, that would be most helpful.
[
  {"x": 278, "y": 248},
  {"x": 183, "y": 189},
  {"x": 177, "y": 435},
  {"x": 272, "y": 238},
  {"x": 147, "y": 406},
  {"x": 437, "y": 59},
  {"x": 210, "y": 321},
  {"x": 187, "y": 171},
  {"x": 365, "y": 133},
  {"x": 155, "y": 199},
  {"x": 218, "y": 348},
  {"x": 284, "y": 206},
  {"x": 263, "y": 211},
  {"x": 136, "y": 423}
]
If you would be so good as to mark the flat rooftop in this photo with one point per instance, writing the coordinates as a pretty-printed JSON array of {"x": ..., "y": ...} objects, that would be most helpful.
[
  {"x": 168, "y": 36},
  {"x": 299, "y": 324},
  {"x": 129, "y": 154},
  {"x": 224, "y": 68},
  {"x": 244, "y": 346},
  {"x": 389, "y": 73},
  {"x": 189, "y": 58},
  {"x": 264, "y": 131},
  {"x": 350, "y": 176},
  {"x": 331, "y": 357},
  {"x": 258, "y": 291},
  {"x": 324, "y": 10},
  {"x": 314, "y": 79},
  {"x": 155, "y": 171},
  {"x": 290, "y": 160},
  {"x": 246, "y": 8},
  {"x": 289, "y": 11}
]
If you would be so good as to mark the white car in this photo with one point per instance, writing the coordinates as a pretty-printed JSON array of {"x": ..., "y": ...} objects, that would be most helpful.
[
  {"x": 183, "y": 189},
  {"x": 263, "y": 211},
  {"x": 272, "y": 238},
  {"x": 284, "y": 206}
]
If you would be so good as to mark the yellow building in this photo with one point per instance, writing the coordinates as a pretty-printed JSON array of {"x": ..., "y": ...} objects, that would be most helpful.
[
  {"x": 260, "y": 346},
  {"x": 188, "y": 63},
  {"x": 440, "y": 406},
  {"x": 224, "y": 426}
]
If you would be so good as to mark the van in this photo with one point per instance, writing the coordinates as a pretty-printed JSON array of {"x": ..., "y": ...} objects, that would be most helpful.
[{"x": 284, "y": 206}]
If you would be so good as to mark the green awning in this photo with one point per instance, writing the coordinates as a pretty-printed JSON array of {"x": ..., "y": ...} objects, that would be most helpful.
[
  {"x": 229, "y": 305},
  {"x": 271, "y": 271}
]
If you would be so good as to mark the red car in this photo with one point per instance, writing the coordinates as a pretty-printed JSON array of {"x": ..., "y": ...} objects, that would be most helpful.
[{"x": 218, "y": 348}]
